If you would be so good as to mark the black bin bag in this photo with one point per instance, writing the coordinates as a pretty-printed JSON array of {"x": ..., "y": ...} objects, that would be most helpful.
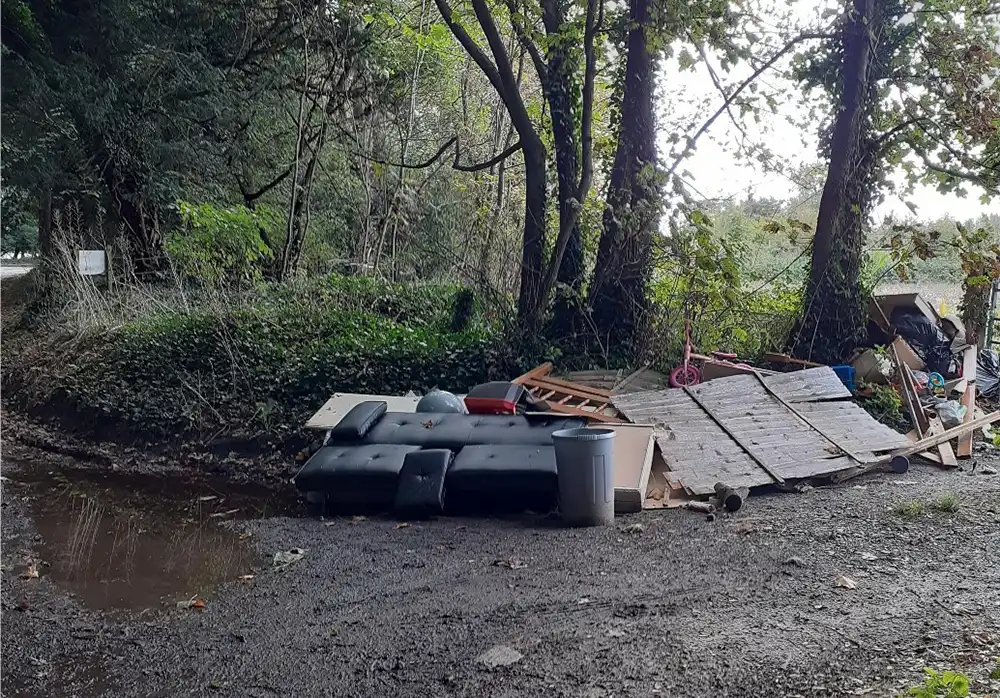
[
  {"x": 988, "y": 374},
  {"x": 925, "y": 338}
]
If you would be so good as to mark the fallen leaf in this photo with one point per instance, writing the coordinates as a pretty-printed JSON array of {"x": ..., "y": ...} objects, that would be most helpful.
[
  {"x": 869, "y": 556},
  {"x": 31, "y": 572},
  {"x": 845, "y": 582},
  {"x": 245, "y": 535},
  {"x": 402, "y": 525},
  {"x": 220, "y": 514},
  {"x": 358, "y": 519},
  {"x": 193, "y": 602},
  {"x": 246, "y": 577}
]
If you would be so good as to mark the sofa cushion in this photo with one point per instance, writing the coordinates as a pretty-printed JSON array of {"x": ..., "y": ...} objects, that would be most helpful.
[
  {"x": 454, "y": 431},
  {"x": 358, "y": 421},
  {"x": 502, "y": 477},
  {"x": 365, "y": 474},
  {"x": 420, "y": 491}
]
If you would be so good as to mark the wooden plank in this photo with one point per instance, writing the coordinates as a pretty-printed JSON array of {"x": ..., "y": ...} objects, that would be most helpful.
[
  {"x": 540, "y": 370},
  {"x": 949, "y": 434},
  {"x": 945, "y": 451},
  {"x": 777, "y": 478},
  {"x": 577, "y": 412},
  {"x": 910, "y": 400},
  {"x": 330, "y": 414},
  {"x": 810, "y": 385},
  {"x": 567, "y": 387},
  {"x": 970, "y": 364},
  {"x": 786, "y": 359}
]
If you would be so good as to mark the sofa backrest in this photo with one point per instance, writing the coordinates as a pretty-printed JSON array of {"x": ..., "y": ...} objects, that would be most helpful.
[{"x": 453, "y": 431}]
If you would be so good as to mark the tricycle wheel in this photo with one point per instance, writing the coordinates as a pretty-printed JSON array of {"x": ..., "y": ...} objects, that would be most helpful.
[{"x": 684, "y": 376}]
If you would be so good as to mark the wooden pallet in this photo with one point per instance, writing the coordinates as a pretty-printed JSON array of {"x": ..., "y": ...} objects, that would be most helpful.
[{"x": 565, "y": 397}]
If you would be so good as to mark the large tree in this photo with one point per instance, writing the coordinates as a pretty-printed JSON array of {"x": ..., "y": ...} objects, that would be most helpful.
[{"x": 901, "y": 99}]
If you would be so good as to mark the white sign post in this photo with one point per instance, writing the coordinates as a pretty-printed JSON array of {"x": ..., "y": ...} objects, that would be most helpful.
[{"x": 91, "y": 262}]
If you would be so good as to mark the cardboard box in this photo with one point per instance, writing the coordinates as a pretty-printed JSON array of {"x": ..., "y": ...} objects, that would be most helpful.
[
  {"x": 870, "y": 367},
  {"x": 880, "y": 307}
]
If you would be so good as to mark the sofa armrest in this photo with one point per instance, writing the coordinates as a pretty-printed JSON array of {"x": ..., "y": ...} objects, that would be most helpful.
[{"x": 356, "y": 423}]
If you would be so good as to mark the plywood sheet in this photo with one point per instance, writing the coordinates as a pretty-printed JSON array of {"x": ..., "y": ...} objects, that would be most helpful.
[{"x": 340, "y": 404}]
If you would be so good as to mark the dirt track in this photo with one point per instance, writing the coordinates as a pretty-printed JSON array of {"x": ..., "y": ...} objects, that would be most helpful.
[{"x": 742, "y": 606}]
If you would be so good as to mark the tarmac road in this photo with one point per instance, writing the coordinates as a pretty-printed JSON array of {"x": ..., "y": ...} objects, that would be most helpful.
[{"x": 742, "y": 606}]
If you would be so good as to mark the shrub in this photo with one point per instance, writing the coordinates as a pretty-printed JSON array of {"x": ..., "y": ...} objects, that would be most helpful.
[
  {"x": 201, "y": 372},
  {"x": 221, "y": 246}
]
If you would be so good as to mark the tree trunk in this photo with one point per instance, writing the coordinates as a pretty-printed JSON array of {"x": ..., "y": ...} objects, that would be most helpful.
[
  {"x": 632, "y": 209},
  {"x": 138, "y": 217},
  {"x": 564, "y": 132},
  {"x": 834, "y": 310},
  {"x": 533, "y": 244}
]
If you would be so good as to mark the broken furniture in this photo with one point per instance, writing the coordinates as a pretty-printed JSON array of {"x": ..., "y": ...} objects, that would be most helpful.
[
  {"x": 564, "y": 397},
  {"x": 502, "y": 460}
]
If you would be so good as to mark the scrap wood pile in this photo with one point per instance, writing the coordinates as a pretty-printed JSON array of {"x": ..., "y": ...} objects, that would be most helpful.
[{"x": 756, "y": 428}]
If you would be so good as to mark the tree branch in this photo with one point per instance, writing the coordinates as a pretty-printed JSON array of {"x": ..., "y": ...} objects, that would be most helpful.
[
  {"x": 528, "y": 45},
  {"x": 471, "y": 47},
  {"x": 739, "y": 89},
  {"x": 488, "y": 163},
  {"x": 456, "y": 165}
]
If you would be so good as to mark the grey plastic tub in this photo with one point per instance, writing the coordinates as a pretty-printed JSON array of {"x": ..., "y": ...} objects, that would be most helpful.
[{"x": 586, "y": 470}]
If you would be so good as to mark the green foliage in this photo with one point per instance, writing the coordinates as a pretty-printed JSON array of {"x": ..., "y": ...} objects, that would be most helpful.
[
  {"x": 941, "y": 684},
  {"x": 910, "y": 509},
  {"x": 702, "y": 279},
  {"x": 268, "y": 366},
  {"x": 20, "y": 240},
  {"x": 884, "y": 404},
  {"x": 947, "y": 503},
  {"x": 222, "y": 246}
]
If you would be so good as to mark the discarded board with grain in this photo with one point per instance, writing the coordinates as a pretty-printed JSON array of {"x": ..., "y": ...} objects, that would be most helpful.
[
  {"x": 566, "y": 397},
  {"x": 750, "y": 431}
]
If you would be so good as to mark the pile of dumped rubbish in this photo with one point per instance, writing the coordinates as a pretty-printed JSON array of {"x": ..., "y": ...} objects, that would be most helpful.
[{"x": 701, "y": 437}]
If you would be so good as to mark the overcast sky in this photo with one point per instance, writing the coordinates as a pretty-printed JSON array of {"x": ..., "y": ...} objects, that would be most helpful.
[{"x": 717, "y": 168}]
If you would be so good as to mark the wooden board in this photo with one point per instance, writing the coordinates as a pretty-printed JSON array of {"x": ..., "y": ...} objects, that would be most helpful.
[
  {"x": 970, "y": 365},
  {"x": 643, "y": 379},
  {"x": 336, "y": 407},
  {"x": 945, "y": 452}
]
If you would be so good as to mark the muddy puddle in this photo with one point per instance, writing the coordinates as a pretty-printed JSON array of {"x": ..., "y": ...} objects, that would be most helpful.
[{"x": 135, "y": 544}]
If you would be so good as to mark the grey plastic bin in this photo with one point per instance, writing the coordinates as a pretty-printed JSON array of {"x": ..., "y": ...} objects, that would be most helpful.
[{"x": 585, "y": 467}]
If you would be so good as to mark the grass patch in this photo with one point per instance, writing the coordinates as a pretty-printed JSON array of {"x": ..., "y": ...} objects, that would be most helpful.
[
  {"x": 910, "y": 509},
  {"x": 947, "y": 503}
]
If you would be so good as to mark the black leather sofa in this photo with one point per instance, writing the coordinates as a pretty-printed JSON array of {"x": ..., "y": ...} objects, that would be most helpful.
[{"x": 428, "y": 462}]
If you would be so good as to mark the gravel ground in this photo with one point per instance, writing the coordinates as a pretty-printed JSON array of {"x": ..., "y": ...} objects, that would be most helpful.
[{"x": 743, "y": 606}]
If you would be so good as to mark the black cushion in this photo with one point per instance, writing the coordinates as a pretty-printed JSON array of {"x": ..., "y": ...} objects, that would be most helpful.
[
  {"x": 358, "y": 421},
  {"x": 503, "y": 471},
  {"x": 365, "y": 474},
  {"x": 420, "y": 492},
  {"x": 454, "y": 431}
]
